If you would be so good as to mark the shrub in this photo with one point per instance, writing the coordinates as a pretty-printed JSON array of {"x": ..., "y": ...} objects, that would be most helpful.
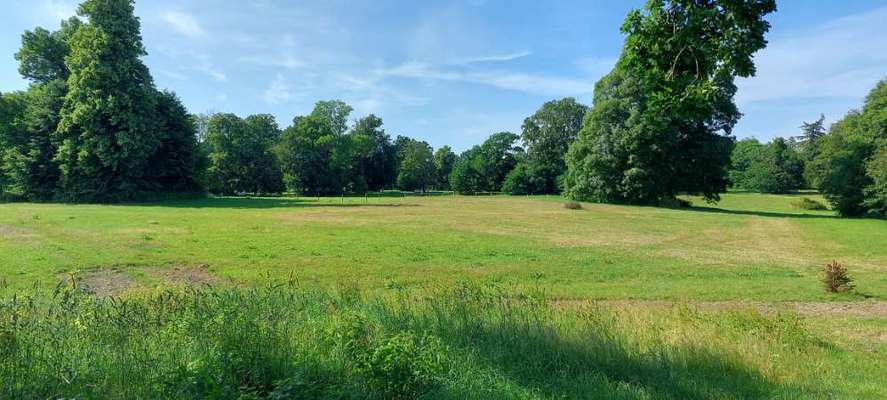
[
  {"x": 573, "y": 205},
  {"x": 836, "y": 279},
  {"x": 806, "y": 203}
]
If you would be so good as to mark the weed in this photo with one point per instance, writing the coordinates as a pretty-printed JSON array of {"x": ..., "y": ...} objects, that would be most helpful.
[
  {"x": 573, "y": 205},
  {"x": 835, "y": 278},
  {"x": 806, "y": 203}
]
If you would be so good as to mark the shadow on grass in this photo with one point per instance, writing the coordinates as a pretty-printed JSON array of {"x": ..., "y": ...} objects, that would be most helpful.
[
  {"x": 264, "y": 203},
  {"x": 598, "y": 366},
  {"x": 772, "y": 214}
]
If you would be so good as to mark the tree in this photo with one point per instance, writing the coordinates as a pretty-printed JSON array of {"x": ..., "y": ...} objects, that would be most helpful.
[
  {"x": 240, "y": 155},
  {"x": 444, "y": 159},
  {"x": 662, "y": 119},
  {"x": 28, "y": 157},
  {"x": 378, "y": 166},
  {"x": 417, "y": 171},
  {"x": 848, "y": 167},
  {"x": 108, "y": 120},
  {"x": 467, "y": 176},
  {"x": 875, "y": 193},
  {"x": 766, "y": 168},
  {"x": 499, "y": 155},
  {"x": 177, "y": 164},
  {"x": 520, "y": 181},
  {"x": 42, "y": 55},
  {"x": 484, "y": 168},
  {"x": 305, "y": 152},
  {"x": 547, "y": 135},
  {"x": 336, "y": 112}
]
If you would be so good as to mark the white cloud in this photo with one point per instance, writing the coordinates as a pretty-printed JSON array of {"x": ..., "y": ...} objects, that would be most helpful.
[
  {"x": 536, "y": 84},
  {"x": 842, "y": 58},
  {"x": 280, "y": 90},
  {"x": 284, "y": 61},
  {"x": 492, "y": 58},
  {"x": 184, "y": 24}
]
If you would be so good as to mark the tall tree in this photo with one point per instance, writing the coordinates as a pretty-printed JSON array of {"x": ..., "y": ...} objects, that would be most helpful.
[
  {"x": 484, "y": 168},
  {"x": 662, "y": 119},
  {"x": 847, "y": 168},
  {"x": 379, "y": 165},
  {"x": 416, "y": 170},
  {"x": 42, "y": 55},
  {"x": 547, "y": 135},
  {"x": 444, "y": 159},
  {"x": 28, "y": 157},
  {"x": 177, "y": 164},
  {"x": 336, "y": 112},
  {"x": 240, "y": 155},
  {"x": 108, "y": 120},
  {"x": 305, "y": 151},
  {"x": 500, "y": 154}
]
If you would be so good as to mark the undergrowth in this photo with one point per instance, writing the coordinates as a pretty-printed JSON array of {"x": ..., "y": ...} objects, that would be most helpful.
[{"x": 284, "y": 341}]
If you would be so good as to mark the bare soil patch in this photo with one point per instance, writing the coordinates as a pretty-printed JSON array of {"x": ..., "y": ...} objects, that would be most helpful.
[
  {"x": 197, "y": 275},
  {"x": 102, "y": 283}
]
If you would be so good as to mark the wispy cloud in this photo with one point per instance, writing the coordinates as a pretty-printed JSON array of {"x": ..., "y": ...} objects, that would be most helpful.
[
  {"x": 842, "y": 58},
  {"x": 279, "y": 91},
  {"x": 492, "y": 58},
  {"x": 184, "y": 24},
  {"x": 284, "y": 61},
  {"x": 529, "y": 83}
]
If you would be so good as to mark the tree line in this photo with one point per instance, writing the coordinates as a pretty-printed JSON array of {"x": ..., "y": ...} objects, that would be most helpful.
[{"x": 93, "y": 127}]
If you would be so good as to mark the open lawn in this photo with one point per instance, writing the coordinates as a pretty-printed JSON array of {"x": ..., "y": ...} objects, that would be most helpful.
[
  {"x": 440, "y": 297},
  {"x": 749, "y": 247}
]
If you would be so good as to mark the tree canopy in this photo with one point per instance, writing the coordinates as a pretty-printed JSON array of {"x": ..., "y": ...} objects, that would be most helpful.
[
  {"x": 547, "y": 134},
  {"x": 661, "y": 119}
]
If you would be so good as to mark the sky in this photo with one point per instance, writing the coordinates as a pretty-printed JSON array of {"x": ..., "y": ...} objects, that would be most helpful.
[{"x": 454, "y": 72}]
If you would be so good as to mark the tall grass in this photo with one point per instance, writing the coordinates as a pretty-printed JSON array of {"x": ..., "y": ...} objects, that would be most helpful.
[{"x": 460, "y": 342}]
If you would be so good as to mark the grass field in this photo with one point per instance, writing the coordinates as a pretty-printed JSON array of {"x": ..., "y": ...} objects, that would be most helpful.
[
  {"x": 496, "y": 297},
  {"x": 750, "y": 247}
]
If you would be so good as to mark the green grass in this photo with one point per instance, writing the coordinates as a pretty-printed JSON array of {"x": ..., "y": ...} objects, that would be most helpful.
[
  {"x": 755, "y": 247},
  {"x": 716, "y": 301},
  {"x": 462, "y": 342}
]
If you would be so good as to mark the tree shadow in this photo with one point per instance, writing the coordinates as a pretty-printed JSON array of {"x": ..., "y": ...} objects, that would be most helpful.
[
  {"x": 598, "y": 366},
  {"x": 772, "y": 214},
  {"x": 262, "y": 203}
]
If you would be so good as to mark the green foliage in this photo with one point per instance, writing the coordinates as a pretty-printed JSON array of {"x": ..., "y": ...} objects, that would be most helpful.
[
  {"x": 458, "y": 342},
  {"x": 378, "y": 166},
  {"x": 661, "y": 119},
  {"x": 108, "y": 121},
  {"x": 240, "y": 157},
  {"x": 42, "y": 55},
  {"x": 771, "y": 168},
  {"x": 519, "y": 181},
  {"x": 547, "y": 135},
  {"x": 444, "y": 160},
  {"x": 28, "y": 160},
  {"x": 484, "y": 168},
  {"x": 876, "y": 193},
  {"x": 848, "y": 168},
  {"x": 177, "y": 164},
  {"x": 402, "y": 366},
  {"x": 806, "y": 203},
  {"x": 417, "y": 170}
]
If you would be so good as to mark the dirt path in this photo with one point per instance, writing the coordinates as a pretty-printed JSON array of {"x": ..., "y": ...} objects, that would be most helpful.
[{"x": 856, "y": 309}]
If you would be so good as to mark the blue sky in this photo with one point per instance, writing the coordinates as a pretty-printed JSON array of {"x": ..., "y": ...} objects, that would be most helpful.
[{"x": 453, "y": 72}]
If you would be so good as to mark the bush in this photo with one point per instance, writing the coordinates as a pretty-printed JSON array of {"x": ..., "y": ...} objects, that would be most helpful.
[
  {"x": 806, "y": 203},
  {"x": 836, "y": 279},
  {"x": 675, "y": 202},
  {"x": 573, "y": 205}
]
